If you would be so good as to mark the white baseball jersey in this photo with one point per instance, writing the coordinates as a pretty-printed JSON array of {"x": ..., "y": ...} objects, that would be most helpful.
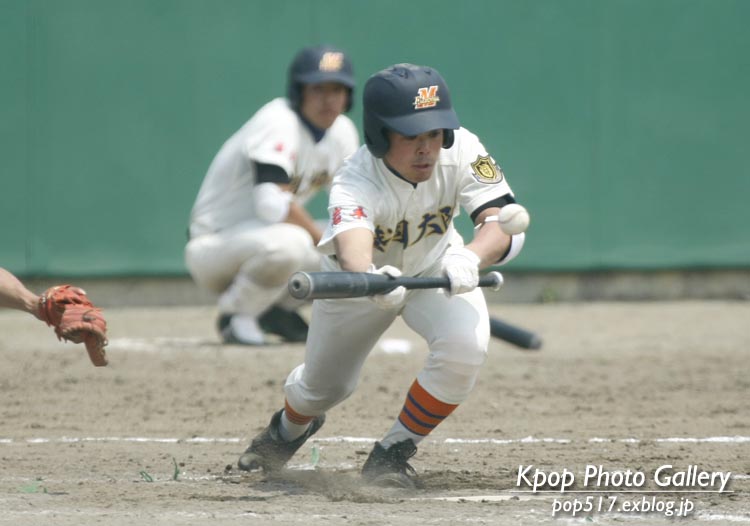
[
  {"x": 274, "y": 135},
  {"x": 412, "y": 225}
]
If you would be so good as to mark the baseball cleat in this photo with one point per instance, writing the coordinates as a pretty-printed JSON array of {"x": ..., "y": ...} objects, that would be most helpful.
[
  {"x": 390, "y": 467},
  {"x": 222, "y": 324},
  {"x": 268, "y": 451},
  {"x": 239, "y": 330},
  {"x": 285, "y": 323}
]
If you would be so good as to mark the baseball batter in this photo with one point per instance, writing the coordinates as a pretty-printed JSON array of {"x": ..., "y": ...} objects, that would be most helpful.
[
  {"x": 249, "y": 230},
  {"x": 391, "y": 209}
]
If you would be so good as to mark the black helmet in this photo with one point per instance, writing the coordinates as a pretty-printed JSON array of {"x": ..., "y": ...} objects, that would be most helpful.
[
  {"x": 409, "y": 100},
  {"x": 316, "y": 64}
]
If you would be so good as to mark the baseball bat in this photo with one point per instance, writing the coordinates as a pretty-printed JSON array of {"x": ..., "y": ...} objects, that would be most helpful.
[
  {"x": 513, "y": 334},
  {"x": 320, "y": 285}
]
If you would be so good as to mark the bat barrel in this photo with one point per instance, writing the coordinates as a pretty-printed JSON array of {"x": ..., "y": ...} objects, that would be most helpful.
[{"x": 514, "y": 334}]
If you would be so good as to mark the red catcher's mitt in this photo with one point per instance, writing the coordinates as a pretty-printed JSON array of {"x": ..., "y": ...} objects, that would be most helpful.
[{"x": 75, "y": 319}]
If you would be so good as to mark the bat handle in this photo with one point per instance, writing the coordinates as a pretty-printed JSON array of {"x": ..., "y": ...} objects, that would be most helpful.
[{"x": 493, "y": 280}]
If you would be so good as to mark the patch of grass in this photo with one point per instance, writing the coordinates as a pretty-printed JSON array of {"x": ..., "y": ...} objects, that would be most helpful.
[{"x": 34, "y": 487}]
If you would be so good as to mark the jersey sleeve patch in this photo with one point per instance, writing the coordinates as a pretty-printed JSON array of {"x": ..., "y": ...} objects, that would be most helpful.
[
  {"x": 348, "y": 214},
  {"x": 485, "y": 170}
]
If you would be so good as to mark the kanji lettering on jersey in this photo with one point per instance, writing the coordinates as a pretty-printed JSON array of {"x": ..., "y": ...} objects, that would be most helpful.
[
  {"x": 320, "y": 179},
  {"x": 294, "y": 183},
  {"x": 446, "y": 216},
  {"x": 431, "y": 224},
  {"x": 383, "y": 237},
  {"x": 336, "y": 219},
  {"x": 401, "y": 235},
  {"x": 359, "y": 213},
  {"x": 380, "y": 241}
]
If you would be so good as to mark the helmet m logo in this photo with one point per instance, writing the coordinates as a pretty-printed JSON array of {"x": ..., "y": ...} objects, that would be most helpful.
[
  {"x": 426, "y": 98},
  {"x": 331, "y": 61}
]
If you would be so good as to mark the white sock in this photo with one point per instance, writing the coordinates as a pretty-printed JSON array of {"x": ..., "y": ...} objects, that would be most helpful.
[
  {"x": 399, "y": 433},
  {"x": 246, "y": 329},
  {"x": 289, "y": 430}
]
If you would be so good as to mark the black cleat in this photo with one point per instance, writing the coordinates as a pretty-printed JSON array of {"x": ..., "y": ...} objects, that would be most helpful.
[
  {"x": 286, "y": 323},
  {"x": 269, "y": 451},
  {"x": 390, "y": 467},
  {"x": 222, "y": 323}
]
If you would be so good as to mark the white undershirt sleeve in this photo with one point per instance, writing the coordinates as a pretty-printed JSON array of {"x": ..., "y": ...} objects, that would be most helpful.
[{"x": 271, "y": 202}]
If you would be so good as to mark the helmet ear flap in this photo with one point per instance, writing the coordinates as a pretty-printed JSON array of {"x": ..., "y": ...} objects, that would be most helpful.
[
  {"x": 379, "y": 144},
  {"x": 349, "y": 100},
  {"x": 448, "y": 138},
  {"x": 294, "y": 94}
]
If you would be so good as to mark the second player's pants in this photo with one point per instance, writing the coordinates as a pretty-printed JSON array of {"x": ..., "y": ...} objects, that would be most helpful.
[{"x": 250, "y": 266}]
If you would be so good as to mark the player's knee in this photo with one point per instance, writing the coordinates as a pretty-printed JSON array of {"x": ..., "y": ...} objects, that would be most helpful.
[
  {"x": 450, "y": 382},
  {"x": 453, "y": 366},
  {"x": 467, "y": 348},
  {"x": 317, "y": 399},
  {"x": 335, "y": 390},
  {"x": 339, "y": 392},
  {"x": 281, "y": 258}
]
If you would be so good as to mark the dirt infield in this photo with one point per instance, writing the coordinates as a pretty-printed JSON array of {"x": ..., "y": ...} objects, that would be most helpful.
[{"x": 153, "y": 438}]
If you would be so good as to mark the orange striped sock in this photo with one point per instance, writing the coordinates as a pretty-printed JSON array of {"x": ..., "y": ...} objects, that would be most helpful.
[
  {"x": 293, "y": 424},
  {"x": 294, "y": 417},
  {"x": 422, "y": 412}
]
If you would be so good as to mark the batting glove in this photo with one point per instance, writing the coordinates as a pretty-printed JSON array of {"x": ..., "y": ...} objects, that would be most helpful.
[
  {"x": 392, "y": 299},
  {"x": 461, "y": 265}
]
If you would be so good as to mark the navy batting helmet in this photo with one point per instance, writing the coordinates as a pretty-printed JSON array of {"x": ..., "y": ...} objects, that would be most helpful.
[
  {"x": 409, "y": 100},
  {"x": 317, "y": 64}
]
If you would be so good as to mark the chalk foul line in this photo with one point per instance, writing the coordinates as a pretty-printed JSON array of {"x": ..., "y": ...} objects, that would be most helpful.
[{"x": 367, "y": 440}]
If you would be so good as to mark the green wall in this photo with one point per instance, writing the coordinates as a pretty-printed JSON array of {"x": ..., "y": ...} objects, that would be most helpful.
[{"x": 621, "y": 124}]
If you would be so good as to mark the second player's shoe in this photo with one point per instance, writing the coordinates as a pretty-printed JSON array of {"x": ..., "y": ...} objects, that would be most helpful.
[
  {"x": 286, "y": 323},
  {"x": 269, "y": 451},
  {"x": 239, "y": 330},
  {"x": 390, "y": 467}
]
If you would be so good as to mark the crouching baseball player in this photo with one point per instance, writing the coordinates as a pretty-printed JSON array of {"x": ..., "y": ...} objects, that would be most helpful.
[
  {"x": 249, "y": 230},
  {"x": 391, "y": 212}
]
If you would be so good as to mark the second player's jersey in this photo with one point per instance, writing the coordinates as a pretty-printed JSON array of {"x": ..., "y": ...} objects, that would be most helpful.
[
  {"x": 274, "y": 135},
  {"x": 412, "y": 225}
]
